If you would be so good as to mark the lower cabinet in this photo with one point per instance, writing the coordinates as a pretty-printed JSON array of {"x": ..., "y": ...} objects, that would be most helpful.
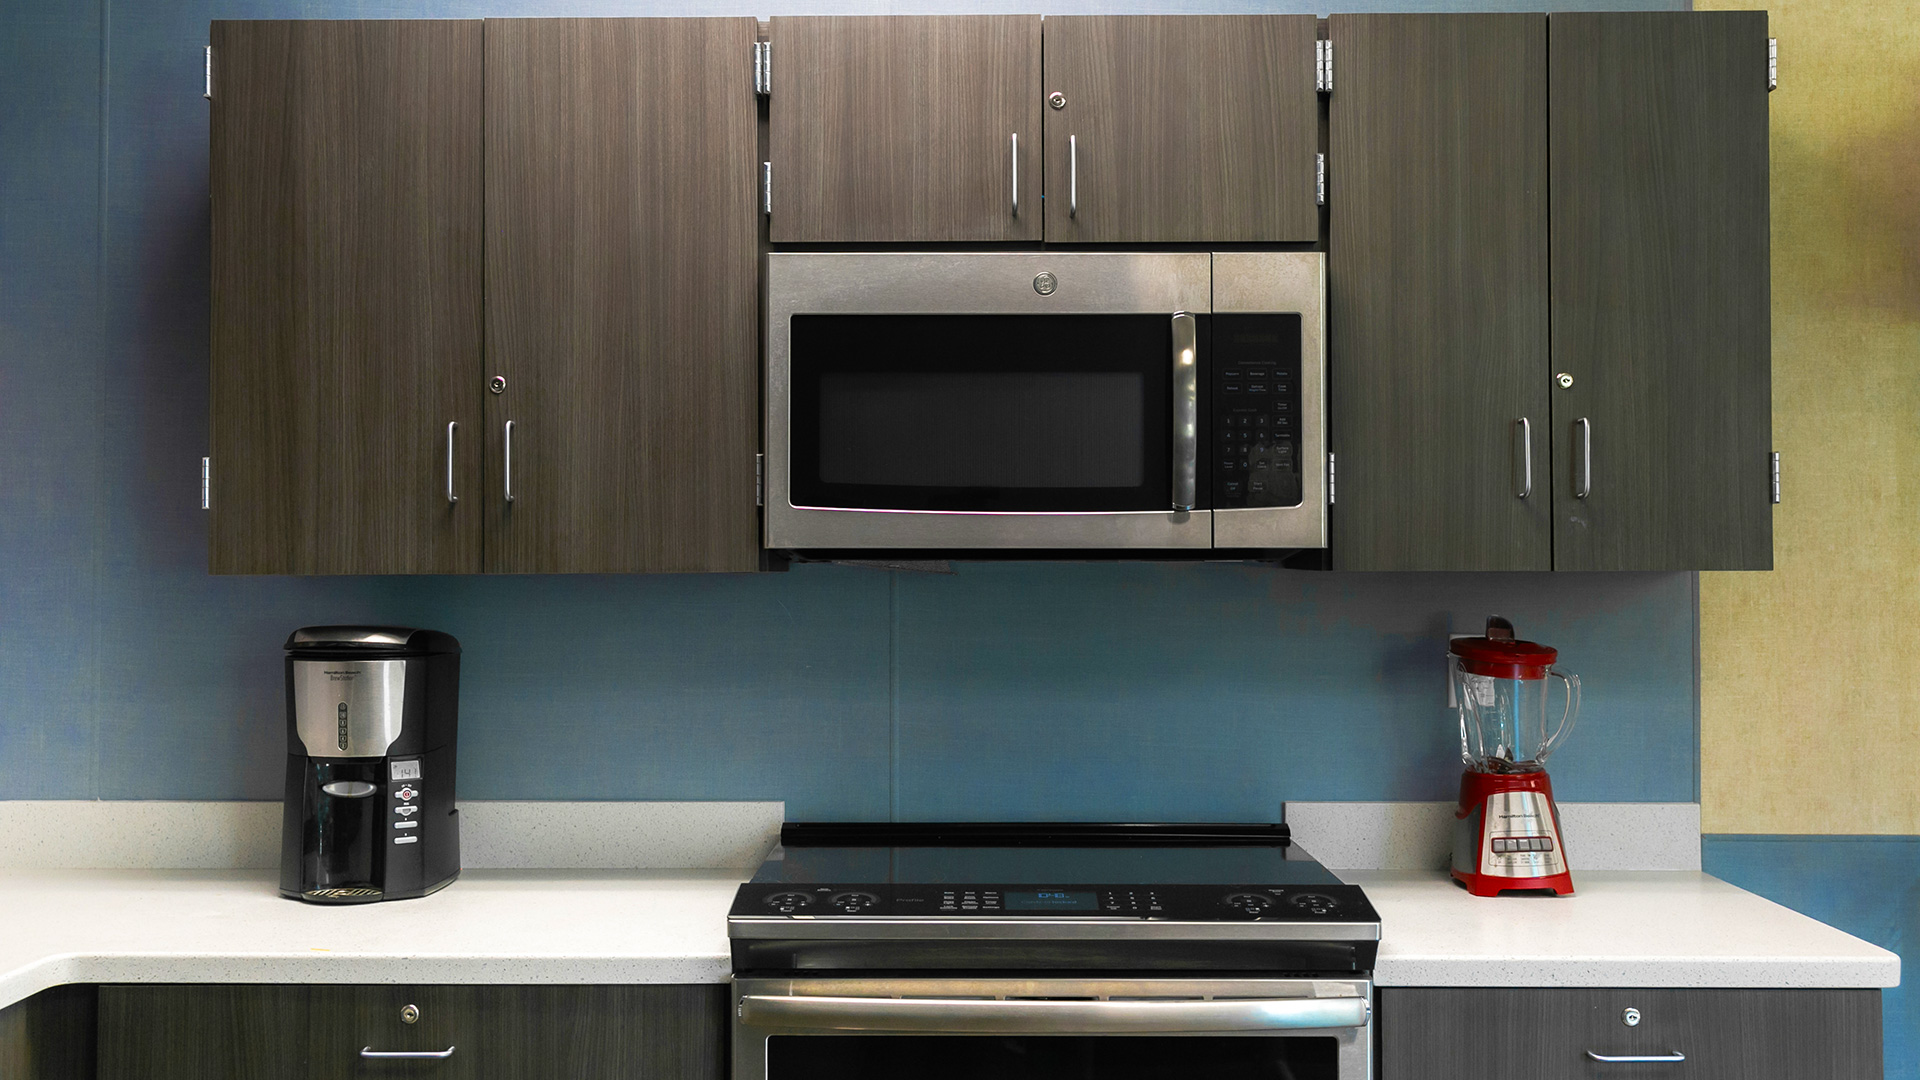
[
  {"x": 49, "y": 1036},
  {"x": 457, "y": 1032},
  {"x": 1547, "y": 1034}
]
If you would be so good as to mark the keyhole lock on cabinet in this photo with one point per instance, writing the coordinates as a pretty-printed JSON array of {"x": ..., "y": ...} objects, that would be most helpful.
[
  {"x": 1057, "y": 99},
  {"x": 1565, "y": 380},
  {"x": 497, "y": 384},
  {"x": 410, "y": 1014},
  {"x": 1631, "y": 1018}
]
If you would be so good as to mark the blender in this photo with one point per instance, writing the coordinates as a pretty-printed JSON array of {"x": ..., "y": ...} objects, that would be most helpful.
[{"x": 1506, "y": 833}]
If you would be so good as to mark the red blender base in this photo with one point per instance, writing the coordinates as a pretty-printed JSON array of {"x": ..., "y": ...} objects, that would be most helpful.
[{"x": 1506, "y": 835}]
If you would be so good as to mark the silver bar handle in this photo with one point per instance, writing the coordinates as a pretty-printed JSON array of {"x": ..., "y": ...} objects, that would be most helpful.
[
  {"x": 1522, "y": 458},
  {"x": 1583, "y": 468},
  {"x": 1073, "y": 175},
  {"x": 1632, "y": 1058},
  {"x": 508, "y": 471},
  {"x": 451, "y": 497},
  {"x": 1019, "y": 1016},
  {"x": 1186, "y": 411},
  {"x": 1015, "y": 137},
  {"x": 370, "y": 1052}
]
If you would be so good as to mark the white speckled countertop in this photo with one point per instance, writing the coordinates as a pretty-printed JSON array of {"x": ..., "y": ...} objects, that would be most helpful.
[
  {"x": 490, "y": 926},
  {"x": 1655, "y": 928},
  {"x": 1620, "y": 928}
]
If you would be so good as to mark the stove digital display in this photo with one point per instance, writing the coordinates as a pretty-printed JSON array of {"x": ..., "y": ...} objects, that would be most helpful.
[{"x": 1052, "y": 901}]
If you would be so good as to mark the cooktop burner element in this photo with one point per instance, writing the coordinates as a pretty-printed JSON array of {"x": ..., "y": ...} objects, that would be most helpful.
[{"x": 1057, "y": 897}]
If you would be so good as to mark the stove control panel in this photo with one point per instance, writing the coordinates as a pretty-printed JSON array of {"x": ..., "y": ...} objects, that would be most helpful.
[{"x": 1186, "y": 903}]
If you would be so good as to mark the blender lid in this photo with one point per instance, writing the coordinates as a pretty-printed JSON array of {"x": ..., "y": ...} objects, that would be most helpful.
[{"x": 1504, "y": 658}]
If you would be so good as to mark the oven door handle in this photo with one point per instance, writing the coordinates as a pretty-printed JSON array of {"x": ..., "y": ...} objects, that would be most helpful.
[
  {"x": 985, "y": 1016},
  {"x": 1186, "y": 411}
]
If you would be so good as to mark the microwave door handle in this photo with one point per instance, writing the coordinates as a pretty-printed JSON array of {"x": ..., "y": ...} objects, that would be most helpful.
[
  {"x": 1186, "y": 411},
  {"x": 1018, "y": 1016}
]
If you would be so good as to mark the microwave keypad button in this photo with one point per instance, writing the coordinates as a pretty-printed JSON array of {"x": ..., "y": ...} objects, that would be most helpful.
[
  {"x": 1231, "y": 388},
  {"x": 1256, "y": 388},
  {"x": 1235, "y": 488}
]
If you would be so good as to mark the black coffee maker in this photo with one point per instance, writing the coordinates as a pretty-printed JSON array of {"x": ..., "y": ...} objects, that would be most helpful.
[{"x": 369, "y": 814}]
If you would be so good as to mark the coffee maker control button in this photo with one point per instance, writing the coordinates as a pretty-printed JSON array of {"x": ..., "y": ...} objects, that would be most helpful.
[
  {"x": 406, "y": 839},
  {"x": 406, "y": 824},
  {"x": 405, "y": 811},
  {"x": 405, "y": 793}
]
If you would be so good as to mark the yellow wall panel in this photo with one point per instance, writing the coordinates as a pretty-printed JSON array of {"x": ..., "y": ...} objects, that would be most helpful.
[{"x": 1810, "y": 674}]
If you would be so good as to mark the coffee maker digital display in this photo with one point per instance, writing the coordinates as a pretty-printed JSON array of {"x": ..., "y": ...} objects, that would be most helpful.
[{"x": 371, "y": 718}]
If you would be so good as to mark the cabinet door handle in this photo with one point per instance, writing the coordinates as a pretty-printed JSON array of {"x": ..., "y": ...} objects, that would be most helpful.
[
  {"x": 1186, "y": 410},
  {"x": 1073, "y": 175},
  {"x": 1522, "y": 458},
  {"x": 370, "y": 1052},
  {"x": 451, "y": 497},
  {"x": 1583, "y": 458},
  {"x": 1633, "y": 1058},
  {"x": 1015, "y": 137},
  {"x": 508, "y": 471}
]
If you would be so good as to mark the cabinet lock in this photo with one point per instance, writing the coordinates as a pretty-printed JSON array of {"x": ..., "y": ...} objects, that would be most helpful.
[{"x": 410, "y": 1014}]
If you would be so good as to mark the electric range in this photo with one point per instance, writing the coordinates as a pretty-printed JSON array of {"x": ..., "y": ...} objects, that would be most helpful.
[{"x": 1036, "y": 952}]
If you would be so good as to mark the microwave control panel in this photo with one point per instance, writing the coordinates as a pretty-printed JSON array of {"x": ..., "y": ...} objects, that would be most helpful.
[{"x": 1256, "y": 411}]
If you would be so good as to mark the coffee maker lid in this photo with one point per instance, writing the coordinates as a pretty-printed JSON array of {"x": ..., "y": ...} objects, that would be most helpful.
[{"x": 371, "y": 638}]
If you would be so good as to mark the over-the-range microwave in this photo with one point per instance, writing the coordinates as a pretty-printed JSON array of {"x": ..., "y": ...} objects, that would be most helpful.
[{"x": 1040, "y": 400}]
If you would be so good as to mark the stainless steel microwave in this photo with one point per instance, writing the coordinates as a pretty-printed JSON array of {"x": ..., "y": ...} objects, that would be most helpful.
[{"x": 1040, "y": 400}]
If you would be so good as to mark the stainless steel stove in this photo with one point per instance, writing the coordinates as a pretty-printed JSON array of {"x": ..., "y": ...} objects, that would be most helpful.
[{"x": 1019, "y": 950}]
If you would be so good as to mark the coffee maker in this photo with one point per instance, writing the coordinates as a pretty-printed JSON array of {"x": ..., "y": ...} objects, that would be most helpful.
[{"x": 369, "y": 811}]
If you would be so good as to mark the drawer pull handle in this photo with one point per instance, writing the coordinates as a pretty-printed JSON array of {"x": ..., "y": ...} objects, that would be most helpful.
[
  {"x": 370, "y": 1052},
  {"x": 1630, "y": 1058}
]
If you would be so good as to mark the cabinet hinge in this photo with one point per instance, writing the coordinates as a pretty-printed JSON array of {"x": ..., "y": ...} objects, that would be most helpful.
[
  {"x": 206, "y": 484},
  {"x": 1776, "y": 475},
  {"x": 759, "y": 479},
  {"x": 766, "y": 188},
  {"x": 1323, "y": 66},
  {"x": 1773, "y": 64},
  {"x": 762, "y": 74},
  {"x": 1330, "y": 499},
  {"x": 1320, "y": 179},
  {"x": 208, "y": 93}
]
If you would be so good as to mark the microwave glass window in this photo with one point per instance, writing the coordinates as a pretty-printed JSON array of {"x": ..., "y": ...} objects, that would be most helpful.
[
  {"x": 1041, "y": 429},
  {"x": 1052, "y": 1057},
  {"x": 1012, "y": 413}
]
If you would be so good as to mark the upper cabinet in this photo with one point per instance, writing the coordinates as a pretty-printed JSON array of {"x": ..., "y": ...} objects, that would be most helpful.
[
  {"x": 1181, "y": 128},
  {"x": 1157, "y": 129},
  {"x": 1661, "y": 305},
  {"x": 622, "y": 296},
  {"x": 912, "y": 129},
  {"x": 1632, "y": 435},
  {"x": 346, "y": 324},
  {"x": 592, "y": 208}
]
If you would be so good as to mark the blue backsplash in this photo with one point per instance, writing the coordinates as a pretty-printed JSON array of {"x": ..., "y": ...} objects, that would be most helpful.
[{"x": 1010, "y": 691}]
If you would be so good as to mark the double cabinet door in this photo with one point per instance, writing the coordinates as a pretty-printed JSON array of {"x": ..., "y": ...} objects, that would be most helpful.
[
  {"x": 1075, "y": 129},
  {"x": 1548, "y": 283},
  {"x": 483, "y": 297}
]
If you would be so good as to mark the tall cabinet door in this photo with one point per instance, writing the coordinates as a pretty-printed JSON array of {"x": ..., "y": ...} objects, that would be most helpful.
[
  {"x": 1661, "y": 310},
  {"x": 1173, "y": 128},
  {"x": 346, "y": 325},
  {"x": 917, "y": 129},
  {"x": 622, "y": 295},
  {"x": 1437, "y": 287}
]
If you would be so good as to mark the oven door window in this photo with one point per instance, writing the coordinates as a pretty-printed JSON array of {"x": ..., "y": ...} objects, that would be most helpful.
[
  {"x": 985, "y": 413},
  {"x": 1053, "y": 1057}
]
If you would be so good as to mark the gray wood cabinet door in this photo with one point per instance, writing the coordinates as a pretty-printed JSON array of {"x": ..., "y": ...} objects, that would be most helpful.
[
  {"x": 1437, "y": 289},
  {"x": 1550, "y": 1034},
  {"x": 51, "y": 1035},
  {"x": 1661, "y": 309},
  {"x": 346, "y": 326},
  {"x": 622, "y": 247},
  {"x": 1181, "y": 128},
  {"x": 904, "y": 129},
  {"x": 159, "y": 1032}
]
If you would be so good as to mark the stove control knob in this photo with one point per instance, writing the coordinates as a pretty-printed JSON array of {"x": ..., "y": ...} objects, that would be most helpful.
[
  {"x": 853, "y": 903},
  {"x": 1316, "y": 903},
  {"x": 1250, "y": 903},
  {"x": 788, "y": 902}
]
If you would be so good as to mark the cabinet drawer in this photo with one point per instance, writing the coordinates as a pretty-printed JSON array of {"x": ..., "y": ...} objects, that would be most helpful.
[
  {"x": 1547, "y": 1034},
  {"x": 202, "y": 1032}
]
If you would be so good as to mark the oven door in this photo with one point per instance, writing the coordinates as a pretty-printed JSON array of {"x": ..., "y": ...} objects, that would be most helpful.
[
  {"x": 1009, "y": 401},
  {"x": 1051, "y": 1029}
]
